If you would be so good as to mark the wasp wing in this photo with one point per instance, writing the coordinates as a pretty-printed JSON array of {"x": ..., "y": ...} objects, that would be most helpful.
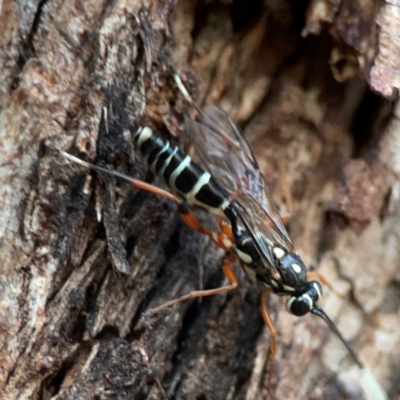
[{"x": 228, "y": 157}]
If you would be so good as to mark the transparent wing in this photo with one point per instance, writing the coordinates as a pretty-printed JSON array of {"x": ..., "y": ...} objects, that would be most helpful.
[{"x": 227, "y": 156}]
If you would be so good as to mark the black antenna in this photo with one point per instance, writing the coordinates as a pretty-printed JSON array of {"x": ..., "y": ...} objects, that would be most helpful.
[{"x": 321, "y": 313}]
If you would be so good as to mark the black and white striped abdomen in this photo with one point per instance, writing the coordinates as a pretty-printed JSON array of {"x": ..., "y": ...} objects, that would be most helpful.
[{"x": 179, "y": 171}]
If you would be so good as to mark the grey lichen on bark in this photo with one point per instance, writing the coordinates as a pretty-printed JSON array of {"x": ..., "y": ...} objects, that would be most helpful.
[{"x": 83, "y": 256}]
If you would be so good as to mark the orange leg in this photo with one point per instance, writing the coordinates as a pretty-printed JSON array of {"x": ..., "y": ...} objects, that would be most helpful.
[
  {"x": 268, "y": 322},
  {"x": 272, "y": 330},
  {"x": 219, "y": 238},
  {"x": 316, "y": 275},
  {"x": 284, "y": 218},
  {"x": 225, "y": 227},
  {"x": 203, "y": 293}
]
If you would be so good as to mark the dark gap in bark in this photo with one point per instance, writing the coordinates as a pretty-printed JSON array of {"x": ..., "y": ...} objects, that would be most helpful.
[
  {"x": 194, "y": 328},
  {"x": 390, "y": 303},
  {"x": 118, "y": 118},
  {"x": 80, "y": 323},
  {"x": 369, "y": 122},
  {"x": 338, "y": 392},
  {"x": 170, "y": 249},
  {"x": 108, "y": 333},
  {"x": 250, "y": 330},
  {"x": 316, "y": 52},
  {"x": 67, "y": 209},
  {"x": 173, "y": 244},
  {"x": 130, "y": 246},
  {"x": 26, "y": 51},
  {"x": 101, "y": 232},
  {"x": 33, "y": 180},
  {"x": 91, "y": 307},
  {"x": 92, "y": 37},
  {"x": 245, "y": 13},
  {"x": 202, "y": 11},
  {"x": 384, "y": 211},
  {"x": 135, "y": 332},
  {"x": 327, "y": 239},
  {"x": 136, "y": 199},
  {"x": 112, "y": 144},
  {"x": 54, "y": 384},
  {"x": 66, "y": 213},
  {"x": 299, "y": 9}
]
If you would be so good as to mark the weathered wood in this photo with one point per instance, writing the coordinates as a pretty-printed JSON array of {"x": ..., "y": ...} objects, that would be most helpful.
[{"x": 83, "y": 256}]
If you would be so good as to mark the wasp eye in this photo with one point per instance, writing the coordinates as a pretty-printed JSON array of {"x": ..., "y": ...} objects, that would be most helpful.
[{"x": 299, "y": 306}]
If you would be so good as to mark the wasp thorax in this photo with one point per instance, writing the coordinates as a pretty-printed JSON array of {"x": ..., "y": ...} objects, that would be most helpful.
[
  {"x": 304, "y": 302},
  {"x": 292, "y": 269}
]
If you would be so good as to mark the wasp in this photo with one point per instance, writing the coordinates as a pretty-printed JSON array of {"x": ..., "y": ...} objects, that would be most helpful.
[{"x": 227, "y": 182}]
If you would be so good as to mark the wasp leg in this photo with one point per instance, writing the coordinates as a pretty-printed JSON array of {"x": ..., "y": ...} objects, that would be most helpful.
[
  {"x": 226, "y": 228},
  {"x": 285, "y": 218},
  {"x": 203, "y": 293},
  {"x": 324, "y": 281},
  {"x": 267, "y": 320},
  {"x": 219, "y": 238}
]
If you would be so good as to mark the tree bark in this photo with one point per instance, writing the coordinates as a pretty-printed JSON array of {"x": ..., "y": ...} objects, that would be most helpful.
[{"x": 83, "y": 256}]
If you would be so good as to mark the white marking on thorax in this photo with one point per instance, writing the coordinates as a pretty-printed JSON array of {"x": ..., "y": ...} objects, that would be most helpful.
[
  {"x": 243, "y": 256},
  {"x": 288, "y": 288},
  {"x": 274, "y": 283},
  {"x": 279, "y": 253},
  {"x": 296, "y": 268}
]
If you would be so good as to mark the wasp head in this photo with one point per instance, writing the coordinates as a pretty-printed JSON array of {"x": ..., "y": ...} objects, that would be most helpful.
[{"x": 305, "y": 299}]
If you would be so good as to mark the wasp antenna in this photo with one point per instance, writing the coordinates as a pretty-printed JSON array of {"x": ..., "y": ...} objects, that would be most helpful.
[{"x": 321, "y": 313}]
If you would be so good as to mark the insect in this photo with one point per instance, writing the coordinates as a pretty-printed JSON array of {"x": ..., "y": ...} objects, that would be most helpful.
[{"x": 232, "y": 187}]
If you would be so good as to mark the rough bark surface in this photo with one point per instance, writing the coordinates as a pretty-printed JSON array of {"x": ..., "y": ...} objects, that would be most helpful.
[{"x": 83, "y": 256}]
